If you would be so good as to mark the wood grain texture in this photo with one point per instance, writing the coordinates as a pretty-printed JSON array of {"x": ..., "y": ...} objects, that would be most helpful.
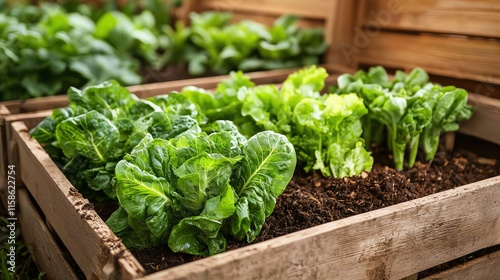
[
  {"x": 269, "y": 20},
  {"x": 389, "y": 243},
  {"x": 456, "y": 57},
  {"x": 3, "y": 157},
  {"x": 43, "y": 248},
  {"x": 485, "y": 121},
  {"x": 460, "y": 17},
  {"x": 310, "y": 9},
  {"x": 483, "y": 268},
  {"x": 97, "y": 251},
  {"x": 9, "y": 107},
  {"x": 10, "y": 148},
  {"x": 260, "y": 77},
  {"x": 341, "y": 32}
]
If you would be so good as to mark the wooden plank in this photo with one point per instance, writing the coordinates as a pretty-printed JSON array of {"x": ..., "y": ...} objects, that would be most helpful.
[
  {"x": 260, "y": 77},
  {"x": 341, "y": 33},
  {"x": 457, "y": 57},
  {"x": 485, "y": 88},
  {"x": 45, "y": 103},
  {"x": 412, "y": 277},
  {"x": 9, "y": 107},
  {"x": 485, "y": 120},
  {"x": 389, "y": 243},
  {"x": 310, "y": 9},
  {"x": 10, "y": 148},
  {"x": 460, "y": 17},
  {"x": 483, "y": 268},
  {"x": 4, "y": 111},
  {"x": 43, "y": 248},
  {"x": 182, "y": 12},
  {"x": 268, "y": 20},
  {"x": 95, "y": 248}
]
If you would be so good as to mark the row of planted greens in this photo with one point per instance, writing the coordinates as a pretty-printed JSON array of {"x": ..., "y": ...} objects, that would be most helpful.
[
  {"x": 46, "y": 49},
  {"x": 408, "y": 112},
  {"x": 192, "y": 168}
]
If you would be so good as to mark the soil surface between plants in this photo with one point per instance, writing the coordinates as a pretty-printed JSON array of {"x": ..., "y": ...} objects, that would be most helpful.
[{"x": 311, "y": 199}]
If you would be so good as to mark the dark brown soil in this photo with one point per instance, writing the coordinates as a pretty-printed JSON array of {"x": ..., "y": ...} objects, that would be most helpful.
[{"x": 310, "y": 199}]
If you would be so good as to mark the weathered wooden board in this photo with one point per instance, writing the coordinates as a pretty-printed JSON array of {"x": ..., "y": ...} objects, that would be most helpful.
[
  {"x": 484, "y": 268},
  {"x": 262, "y": 77},
  {"x": 10, "y": 148},
  {"x": 314, "y": 9},
  {"x": 485, "y": 121},
  {"x": 453, "y": 38},
  {"x": 97, "y": 251},
  {"x": 339, "y": 33},
  {"x": 310, "y": 9},
  {"x": 459, "y": 17},
  {"x": 457, "y": 57},
  {"x": 43, "y": 248}
]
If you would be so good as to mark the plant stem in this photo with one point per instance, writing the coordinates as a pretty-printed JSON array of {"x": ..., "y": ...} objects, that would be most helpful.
[{"x": 413, "y": 150}]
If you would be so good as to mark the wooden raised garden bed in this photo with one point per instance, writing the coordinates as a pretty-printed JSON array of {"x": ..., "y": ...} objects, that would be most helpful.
[{"x": 392, "y": 242}]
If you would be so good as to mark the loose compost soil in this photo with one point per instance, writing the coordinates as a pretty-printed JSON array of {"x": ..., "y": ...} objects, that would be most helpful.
[{"x": 311, "y": 199}]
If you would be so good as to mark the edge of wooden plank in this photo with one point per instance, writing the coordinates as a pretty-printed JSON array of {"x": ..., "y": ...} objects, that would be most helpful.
[
  {"x": 342, "y": 34},
  {"x": 4, "y": 111},
  {"x": 485, "y": 119},
  {"x": 260, "y": 77},
  {"x": 71, "y": 215},
  {"x": 43, "y": 248},
  {"x": 309, "y": 9},
  {"x": 10, "y": 148},
  {"x": 479, "y": 20},
  {"x": 452, "y": 56},
  {"x": 9, "y": 107},
  {"x": 389, "y": 243},
  {"x": 483, "y": 268}
]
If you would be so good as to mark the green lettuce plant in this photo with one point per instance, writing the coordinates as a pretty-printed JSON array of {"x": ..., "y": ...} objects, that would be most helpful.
[
  {"x": 409, "y": 110},
  {"x": 176, "y": 183},
  {"x": 196, "y": 189},
  {"x": 212, "y": 44},
  {"x": 102, "y": 124},
  {"x": 324, "y": 129}
]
